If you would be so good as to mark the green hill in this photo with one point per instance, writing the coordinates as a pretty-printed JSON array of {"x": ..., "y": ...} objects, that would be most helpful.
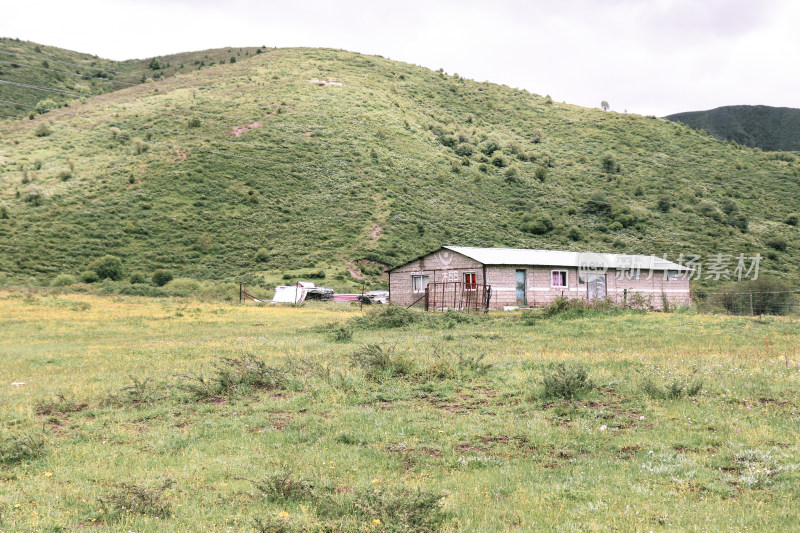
[
  {"x": 758, "y": 126},
  {"x": 300, "y": 160},
  {"x": 24, "y": 66}
]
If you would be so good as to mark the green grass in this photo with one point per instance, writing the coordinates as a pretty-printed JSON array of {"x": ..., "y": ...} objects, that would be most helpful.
[
  {"x": 765, "y": 127},
  {"x": 65, "y": 71},
  {"x": 429, "y": 426},
  {"x": 372, "y": 169}
]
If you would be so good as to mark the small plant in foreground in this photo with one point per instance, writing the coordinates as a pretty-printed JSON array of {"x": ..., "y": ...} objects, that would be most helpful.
[
  {"x": 674, "y": 391},
  {"x": 234, "y": 375},
  {"x": 282, "y": 486},
  {"x": 566, "y": 381},
  {"x": 139, "y": 499},
  {"x": 379, "y": 363},
  {"x": 15, "y": 448}
]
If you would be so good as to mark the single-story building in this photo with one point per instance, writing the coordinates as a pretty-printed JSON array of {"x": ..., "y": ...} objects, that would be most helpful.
[{"x": 458, "y": 277}]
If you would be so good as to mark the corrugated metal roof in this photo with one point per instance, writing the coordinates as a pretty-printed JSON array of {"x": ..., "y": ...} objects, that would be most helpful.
[{"x": 520, "y": 256}]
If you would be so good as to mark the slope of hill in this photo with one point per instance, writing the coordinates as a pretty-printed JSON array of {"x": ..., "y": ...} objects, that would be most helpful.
[
  {"x": 758, "y": 126},
  {"x": 25, "y": 65},
  {"x": 323, "y": 157}
]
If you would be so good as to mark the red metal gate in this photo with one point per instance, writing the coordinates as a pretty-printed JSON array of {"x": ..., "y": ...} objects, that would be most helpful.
[{"x": 456, "y": 295}]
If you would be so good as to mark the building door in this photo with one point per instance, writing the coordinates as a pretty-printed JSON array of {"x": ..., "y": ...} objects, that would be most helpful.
[
  {"x": 522, "y": 297},
  {"x": 596, "y": 284}
]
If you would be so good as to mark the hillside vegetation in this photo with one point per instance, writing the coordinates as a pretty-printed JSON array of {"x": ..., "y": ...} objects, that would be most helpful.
[
  {"x": 309, "y": 160},
  {"x": 759, "y": 126},
  {"x": 24, "y": 66}
]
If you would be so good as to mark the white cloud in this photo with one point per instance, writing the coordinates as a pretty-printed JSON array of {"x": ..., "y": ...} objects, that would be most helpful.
[{"x": 649, "y": 56}]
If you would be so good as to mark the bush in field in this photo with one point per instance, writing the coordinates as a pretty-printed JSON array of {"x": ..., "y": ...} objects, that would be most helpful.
[
  {"x": 232, "y": 376},
  {"x": 161, "y": 277},
  {"x": 664, "y": 204},
  {"x": 792, "y": 220},
  {"x": 15, "y": 448},
  {"x": 4, "y": 213},
  {"x": 388, "y": 317},
  {"x": 128, "y": 498},
  {"x": 43, "y": 130},
  {"x": 183, "y": 286},
  {"x": 566, "y": 381},
  {"x": 380, "y": 363},
  {"x": 540, "y": 173},
  {"x": 137, "y": 277},
  {"x": 576, "y": 308},
  {"x": 674, "y": 391},
  {"x": 89, "y": 276},
  {"x": 107, "y": 267},
  {"x": 62, "y": 280}
]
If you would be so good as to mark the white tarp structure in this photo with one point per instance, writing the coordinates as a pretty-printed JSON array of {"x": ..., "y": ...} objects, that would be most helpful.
[{"x": 292, "y": 294}]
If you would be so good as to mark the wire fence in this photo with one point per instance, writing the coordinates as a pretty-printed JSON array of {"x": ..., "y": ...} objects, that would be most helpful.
[{"x": 751, "y": 303}]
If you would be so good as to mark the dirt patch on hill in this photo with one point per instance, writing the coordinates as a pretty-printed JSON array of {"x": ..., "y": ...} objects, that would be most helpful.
[
  {"x": 326, "y": 83},
  {"x": 241, "y": 130},
  {"x": 375, "y": 233}
]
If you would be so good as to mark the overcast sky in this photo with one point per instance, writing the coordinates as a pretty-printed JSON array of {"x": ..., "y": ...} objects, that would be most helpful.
[{"x": 649, "y": 57}]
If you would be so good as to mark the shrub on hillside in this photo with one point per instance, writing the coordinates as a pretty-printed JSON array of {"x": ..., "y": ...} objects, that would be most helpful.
[
  {"x": 609, "y": 163},
  {"x": 35, "y": 195},
  {"x": 3, "y": 213},
  {"x": 46, "y": 105},
  {"x": 499, "y": 161},
  {"x": 574, "y": 234},
  {"x": 107, "y": 267},
  {"x": 792, "y": 220},
  {"x": 489, "y": 147},
  {"x": 777, "y": 243},
  {"x": 161, "y": 277},
  {"x": 89, "y": 276},
  {"x": 136, "y": 278},
  {"x": 664, "y": 204},
  {"x": 598, "y": 204},
  {"x": 62, "y": 280},
  {"x": 540, "y": 173},
  {"x": 262, "y": 256},
  {"x": 464, "y": 150},
  {"x": 538, "y": 226},
  {"x": 65, "y": 175},
  {"x": 43, "y": 130}
]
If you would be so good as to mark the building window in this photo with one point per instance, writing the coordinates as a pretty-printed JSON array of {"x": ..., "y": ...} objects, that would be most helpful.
[
  {"x": 470, "y": 281},
  {"x": 672, "y": 275},
  {"x": 559, "y": 278},
  {"x": 419, "y": 283}
]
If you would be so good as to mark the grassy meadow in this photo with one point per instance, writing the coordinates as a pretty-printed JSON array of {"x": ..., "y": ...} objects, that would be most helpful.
[{"x": 175, "y": 414}]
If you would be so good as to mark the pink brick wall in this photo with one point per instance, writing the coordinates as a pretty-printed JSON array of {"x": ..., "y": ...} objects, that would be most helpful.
[{"x": 444, "y": 265}]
